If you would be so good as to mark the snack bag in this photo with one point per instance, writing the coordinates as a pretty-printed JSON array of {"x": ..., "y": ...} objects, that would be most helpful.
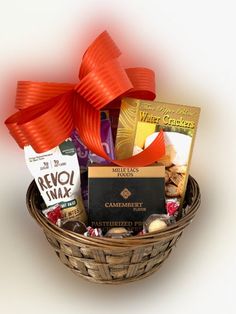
[
  {"x": 84, "y": 155},
  {"x": 57, "y": 175},
  {"x": 82, "y": 151},
  {"x": 107, "y": 142}
]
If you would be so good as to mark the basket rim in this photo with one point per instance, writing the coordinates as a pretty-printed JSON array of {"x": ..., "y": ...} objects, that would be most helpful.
[{"x": 133, "y": 241}]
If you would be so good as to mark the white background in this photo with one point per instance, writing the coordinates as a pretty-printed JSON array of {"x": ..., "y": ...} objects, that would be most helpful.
[{"x": 191, "y": 46}]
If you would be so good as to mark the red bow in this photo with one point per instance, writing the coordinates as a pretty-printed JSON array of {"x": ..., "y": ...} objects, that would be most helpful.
[{"x": 48, "y": 112}]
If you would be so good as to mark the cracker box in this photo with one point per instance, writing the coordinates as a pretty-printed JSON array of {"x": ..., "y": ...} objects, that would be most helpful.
[{"x": 139, "y": 124}]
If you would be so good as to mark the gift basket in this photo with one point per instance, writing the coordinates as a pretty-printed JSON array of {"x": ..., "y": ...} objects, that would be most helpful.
[
  {"x": 111, "y": 188},
  {"x": 114, "y": 261}
]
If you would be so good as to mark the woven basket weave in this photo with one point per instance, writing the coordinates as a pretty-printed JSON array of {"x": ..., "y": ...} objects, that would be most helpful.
[{"x": 114, "y": 261}]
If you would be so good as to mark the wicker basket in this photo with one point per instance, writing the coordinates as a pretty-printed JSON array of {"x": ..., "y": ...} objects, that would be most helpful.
[{"x": 114, "y": 261}]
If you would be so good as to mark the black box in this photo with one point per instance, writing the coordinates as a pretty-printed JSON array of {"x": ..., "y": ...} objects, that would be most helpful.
[{"x": 125, "y": 197}]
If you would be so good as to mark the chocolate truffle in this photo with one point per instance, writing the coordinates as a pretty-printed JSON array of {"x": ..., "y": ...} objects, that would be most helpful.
[
  {"x": 75, "y": 226},
  {"x": 118, "y": 233},
  {"x": 157, "y": 222},
  {"x": 157, "y": 225}
]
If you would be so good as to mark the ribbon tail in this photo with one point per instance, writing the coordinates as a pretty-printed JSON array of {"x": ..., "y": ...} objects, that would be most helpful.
[{"x": 85, "y": 114}]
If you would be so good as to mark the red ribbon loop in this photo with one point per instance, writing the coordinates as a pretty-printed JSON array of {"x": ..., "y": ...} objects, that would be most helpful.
[
  {"x": 143, "y": 81},
  {"x": 99, "y": 52},
  {"x": 50, "y": 111},
  {"x": 104, "y": 84}
]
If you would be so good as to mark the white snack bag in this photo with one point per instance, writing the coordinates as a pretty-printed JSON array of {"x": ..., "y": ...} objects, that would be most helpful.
[{"x": 57, "y": 175}]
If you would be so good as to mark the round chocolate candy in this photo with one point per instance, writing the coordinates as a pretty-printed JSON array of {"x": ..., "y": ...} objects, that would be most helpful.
[
  {"x": 75, "y": 226},
  {"x": 157, "y": 225},
  {"x": 118, "y": 233},
  {"x": 157, "y": 222}
]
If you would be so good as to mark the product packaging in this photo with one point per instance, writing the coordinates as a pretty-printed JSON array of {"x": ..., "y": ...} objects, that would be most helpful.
[
  {"x": 125, "y": 197},
  {"x": 57, "y": 175},
  {"x": 139, "y": 124}
]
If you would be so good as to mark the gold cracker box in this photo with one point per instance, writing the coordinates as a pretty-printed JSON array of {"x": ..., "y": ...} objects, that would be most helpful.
[
  {"x": 139, "y": 124},
  {"x": 125, "y": 197}
]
